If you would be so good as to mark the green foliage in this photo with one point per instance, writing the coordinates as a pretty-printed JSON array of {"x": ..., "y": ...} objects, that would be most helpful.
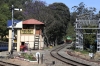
[
  {"x": 5, "y": 39},
  {"x": 82, "y": 9},
  {"x": 55, "y": 16},
  {"x": 70, "y": 32},
  {"x": 62, "y": 16},
  {"x": 89, "y": 38},
  {"x": 73, "y": 17},
  {"x": 5, "y": 14},
  {"x": 83, "y": 52},
  {"x": 3, "y": 25},
  {"x": 28, "y": 56},
  {"x": 81, "y": 12},
  {"x": 90, "y": 26}
]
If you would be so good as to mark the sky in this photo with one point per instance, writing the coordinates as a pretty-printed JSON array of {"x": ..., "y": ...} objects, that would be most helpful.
[{"x": 71, "y": 3}]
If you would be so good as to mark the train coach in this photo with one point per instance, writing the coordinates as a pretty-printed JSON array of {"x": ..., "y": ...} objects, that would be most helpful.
[
  {"x": 3, "y": 46},
  {"x": 69, "y": 40}
]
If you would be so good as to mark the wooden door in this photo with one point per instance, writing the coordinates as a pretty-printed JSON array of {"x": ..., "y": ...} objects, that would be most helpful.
[
  {"x": 37, "y": 32},
  {"x": 38, "y": 29}
]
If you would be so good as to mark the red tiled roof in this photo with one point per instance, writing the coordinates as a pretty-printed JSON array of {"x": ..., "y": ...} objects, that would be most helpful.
[{"x": 32, "y": 21}]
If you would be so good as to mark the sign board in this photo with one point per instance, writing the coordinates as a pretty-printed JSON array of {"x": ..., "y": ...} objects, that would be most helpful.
[
  {"x": 27, "y": 31},
  {"x": 91, "y": 54}
]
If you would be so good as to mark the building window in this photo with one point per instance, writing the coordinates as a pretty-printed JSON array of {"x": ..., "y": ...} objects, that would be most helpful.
[
  {"x": 76, "y": 35},
  {"x": 98, "y": 49},
  {"x": 98, "y": 36},
  {"x": 98, "y": 40},
  {"x": 98, "y": 45},
  {"x": 98, "y": 31},
  {"x": 28, "y": 26},
  {"x": 37, "y": 27}
]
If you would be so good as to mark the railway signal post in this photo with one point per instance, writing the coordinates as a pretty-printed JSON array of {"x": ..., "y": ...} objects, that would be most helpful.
[{"x": 13, "y": 24}]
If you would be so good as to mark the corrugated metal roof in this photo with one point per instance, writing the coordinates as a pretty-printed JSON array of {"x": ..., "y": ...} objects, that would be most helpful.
[
  {"x": 9, "y": 22},
  {"x": 32, "y": 21},
  {"x": 18, "y": 24}
]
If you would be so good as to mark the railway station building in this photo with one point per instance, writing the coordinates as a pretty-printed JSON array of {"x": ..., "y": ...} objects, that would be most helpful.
[{"x": 29, "y": 32}]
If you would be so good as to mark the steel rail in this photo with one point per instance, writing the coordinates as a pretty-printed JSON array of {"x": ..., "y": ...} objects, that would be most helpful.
[
  {"x": 2, "y": 63},
  {"x": 54, "y": 53}
]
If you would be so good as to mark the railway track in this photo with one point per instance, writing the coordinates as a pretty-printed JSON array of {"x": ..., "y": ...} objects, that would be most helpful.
[
  {"x": 2, "y": 63},
  {"x": 54, "y": 53}
]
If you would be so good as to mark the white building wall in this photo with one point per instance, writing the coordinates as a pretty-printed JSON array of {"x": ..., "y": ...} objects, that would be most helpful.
[
  {"x": 10, "y": 40},
  {"x": 18, "y": 40},
  {"x": 30, "y": 40}
]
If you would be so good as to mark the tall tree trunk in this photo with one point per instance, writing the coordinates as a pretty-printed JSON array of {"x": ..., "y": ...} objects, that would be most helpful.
[
  {"x": 56, "y": 42},
  {"x": 2, "y": 37},
  {"x": 46, "y": 37}
]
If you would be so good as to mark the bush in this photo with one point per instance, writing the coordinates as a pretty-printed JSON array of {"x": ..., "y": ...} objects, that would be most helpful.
[
  {"x": 28, "y": 56},
  {"x": 5, "y": 39}
]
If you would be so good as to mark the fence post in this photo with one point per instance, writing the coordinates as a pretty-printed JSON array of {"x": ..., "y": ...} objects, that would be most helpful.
[
  {"x": 42, "y": 59},
  {"x": 38, "y": 58},
  {"x": 53, "y": 62}
]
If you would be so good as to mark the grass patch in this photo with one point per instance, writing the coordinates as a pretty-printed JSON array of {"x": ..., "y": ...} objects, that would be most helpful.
[
  {"x": 82, "y": 51},
  {"x": 28, "y": 56},
  {"x": 50, "y": 47}
]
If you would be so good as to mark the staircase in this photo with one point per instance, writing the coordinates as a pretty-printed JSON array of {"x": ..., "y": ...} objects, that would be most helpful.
[{"x": 36, "y": 42}]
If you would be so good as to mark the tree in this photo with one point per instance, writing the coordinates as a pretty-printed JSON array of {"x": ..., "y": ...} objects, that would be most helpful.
[
  {"x": 55, "y": 16},
  {"x": 84, "y": 12},
  {"x": 34, "y": 10},
  {"x": 62, "y": 16},
  {"x": 3, "y": 27},
  {"x": 5, "y": 14},
  {"x": 70, "y": 31},
  {"x": 73, "y": 16},
  {"x": 38, "y": 10}
]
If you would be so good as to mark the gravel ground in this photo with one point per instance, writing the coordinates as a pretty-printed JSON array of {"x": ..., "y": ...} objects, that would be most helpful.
[{"x": 47, "y": 61}]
